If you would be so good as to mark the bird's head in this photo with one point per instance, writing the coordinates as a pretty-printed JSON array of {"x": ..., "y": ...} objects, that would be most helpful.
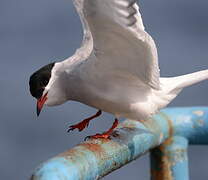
[{"x": 46, "y": 87}]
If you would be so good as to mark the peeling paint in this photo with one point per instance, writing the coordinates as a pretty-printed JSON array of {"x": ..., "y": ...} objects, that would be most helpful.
[
  {"x": 198, "y": 113},
  {"x": 200, "y": 122}
]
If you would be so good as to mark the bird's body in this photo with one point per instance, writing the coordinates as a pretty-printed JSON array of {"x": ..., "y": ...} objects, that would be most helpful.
[
  {"x": 116, "y": 69},
  {"x": 120, "y": 94}
]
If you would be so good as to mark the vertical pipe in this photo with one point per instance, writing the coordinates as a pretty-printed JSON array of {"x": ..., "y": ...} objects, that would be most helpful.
[{"x": 169, "y": 161}]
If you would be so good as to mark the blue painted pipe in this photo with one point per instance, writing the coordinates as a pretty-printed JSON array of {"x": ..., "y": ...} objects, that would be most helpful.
[
  {"x": 191, "y": 123},
  {"x": 169, "y": 160},
  {"x": 96, "y": 158}
]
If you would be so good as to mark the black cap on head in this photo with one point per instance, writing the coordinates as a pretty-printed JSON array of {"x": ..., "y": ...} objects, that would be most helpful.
[{"x": 39, "y": 80}]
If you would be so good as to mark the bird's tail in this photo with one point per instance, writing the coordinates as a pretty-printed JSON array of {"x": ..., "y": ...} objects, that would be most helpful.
[{"x": 172, "y": 86}]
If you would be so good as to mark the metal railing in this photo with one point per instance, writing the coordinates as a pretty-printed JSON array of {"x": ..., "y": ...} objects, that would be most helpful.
[{"x": 166, "y": 136}]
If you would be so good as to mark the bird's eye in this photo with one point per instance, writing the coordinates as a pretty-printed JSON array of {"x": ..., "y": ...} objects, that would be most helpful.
[{"x": 44, "y": 82}]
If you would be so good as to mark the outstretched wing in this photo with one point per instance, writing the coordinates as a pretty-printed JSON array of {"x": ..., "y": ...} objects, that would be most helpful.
[{"x": 115, "y": 31}]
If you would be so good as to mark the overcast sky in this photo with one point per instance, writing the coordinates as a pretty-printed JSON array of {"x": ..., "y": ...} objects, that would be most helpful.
[{"x": 36, "y": 32}]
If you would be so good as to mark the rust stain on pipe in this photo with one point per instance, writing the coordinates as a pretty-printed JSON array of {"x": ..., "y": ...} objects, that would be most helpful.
[{"x": 163, "y": 169}]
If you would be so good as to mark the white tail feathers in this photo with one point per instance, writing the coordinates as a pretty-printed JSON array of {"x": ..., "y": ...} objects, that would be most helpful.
[{"x": 174, "y": 85}]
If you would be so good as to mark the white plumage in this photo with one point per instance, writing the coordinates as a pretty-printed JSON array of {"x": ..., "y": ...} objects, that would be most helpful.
[{"x": 116, "y": 68}]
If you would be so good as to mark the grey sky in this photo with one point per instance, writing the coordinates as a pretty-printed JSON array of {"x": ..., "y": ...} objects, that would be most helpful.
[{"x": 34, "y": 33}]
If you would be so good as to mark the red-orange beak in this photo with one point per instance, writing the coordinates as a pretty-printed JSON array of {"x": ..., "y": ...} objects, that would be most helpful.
[{"x": 40, "y": 102}]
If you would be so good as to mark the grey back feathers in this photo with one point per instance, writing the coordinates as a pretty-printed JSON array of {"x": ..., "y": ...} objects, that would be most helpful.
[{"x": 39, "y": 80}]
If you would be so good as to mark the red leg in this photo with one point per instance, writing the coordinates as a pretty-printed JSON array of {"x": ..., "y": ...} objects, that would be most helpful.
[
  {"x": 83, "y": 124},
  {"x": 106, "y": 134}
]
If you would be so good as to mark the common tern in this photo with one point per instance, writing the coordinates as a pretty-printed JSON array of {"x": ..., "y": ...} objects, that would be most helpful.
[{"x": 115, "y": 70}]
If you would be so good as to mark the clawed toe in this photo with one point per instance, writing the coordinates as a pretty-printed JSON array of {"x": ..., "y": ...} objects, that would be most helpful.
[
  {"x": 85, "y": 123},
  {"x": 105, "y": 135},
  {"x": 71, "y": 128},
  {"x": 79, "y": 126}
]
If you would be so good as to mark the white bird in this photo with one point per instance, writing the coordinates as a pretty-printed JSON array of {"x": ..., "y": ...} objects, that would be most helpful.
[{"x": 115, "y": 70}]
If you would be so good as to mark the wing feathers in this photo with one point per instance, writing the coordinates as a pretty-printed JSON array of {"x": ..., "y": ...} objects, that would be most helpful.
[{"x": 118, "y": 32}]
